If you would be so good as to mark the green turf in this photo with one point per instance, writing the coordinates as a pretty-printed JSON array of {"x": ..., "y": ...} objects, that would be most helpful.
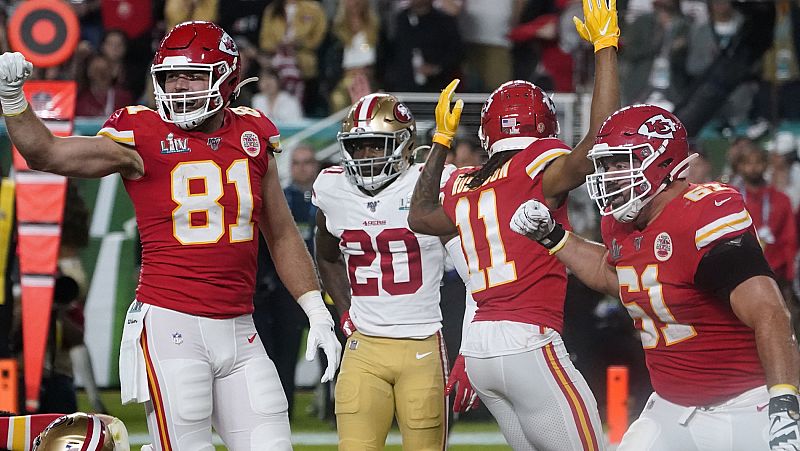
[{"x": 302, "y": 421}]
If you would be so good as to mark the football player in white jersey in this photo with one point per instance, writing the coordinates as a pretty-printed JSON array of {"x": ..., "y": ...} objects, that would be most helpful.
[{"x": 384, "y": 280}]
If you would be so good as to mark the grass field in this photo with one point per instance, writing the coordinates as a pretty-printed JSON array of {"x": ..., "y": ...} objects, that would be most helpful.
[{"x": 303, "y": 424}]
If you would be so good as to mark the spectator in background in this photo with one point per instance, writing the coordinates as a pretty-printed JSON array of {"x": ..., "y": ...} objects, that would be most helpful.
[
  {"x": 88, "y": 12},
  {"x": 653, "y": 56},
  {"x": 98, "y": 94},
  {"x": 770, "y": 210},
  {"x": 177, "y": 11},
  {"x": 278, "y": 318},
  {"x": 291, "y": 32},
  {"x": 277, "y": 104},
  {"x": 136, "y": 21},
  {"x": 242, "y": 18},
  {"x": 553, "y": 71},
  {"x": 249, "y": 59},
  {"x": 426, "y": 51},
  {"x": 780, "y": 87},
  {"x": 709, "y": 39},
  {"x": 487, "y": 49},
  {"x": 355, "y": 27},
  {"x": 114, "y": 48}
]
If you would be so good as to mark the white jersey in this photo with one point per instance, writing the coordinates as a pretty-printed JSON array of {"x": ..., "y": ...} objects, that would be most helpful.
[{"x": 394, "y": 273}]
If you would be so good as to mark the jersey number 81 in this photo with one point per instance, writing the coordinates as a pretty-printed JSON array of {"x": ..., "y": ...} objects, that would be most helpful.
[{"x": 206, "y": 204}]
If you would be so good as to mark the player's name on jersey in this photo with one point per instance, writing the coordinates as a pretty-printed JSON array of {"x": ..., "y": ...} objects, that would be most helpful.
[{"x": 463, "y": 180}]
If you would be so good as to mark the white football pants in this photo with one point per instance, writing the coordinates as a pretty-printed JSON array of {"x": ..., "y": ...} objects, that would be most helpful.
[
  {"x": 204, "y": 372},
  {"x": 540, "y": 401},
  {"x": 740, "y": 424}
]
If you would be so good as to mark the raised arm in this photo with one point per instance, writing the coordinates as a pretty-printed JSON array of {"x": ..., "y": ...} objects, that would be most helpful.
[
  {"x": 427, "y": 215},
  {"x": 601, "y": 29},
  {"x": 586, "y": 259},
  {"x": 74, "y": 156}
]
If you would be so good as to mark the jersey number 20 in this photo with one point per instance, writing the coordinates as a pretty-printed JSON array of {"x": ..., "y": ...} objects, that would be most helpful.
[
  {"x": 206, "y": 204},
  {"x": 384, "y": 242}
]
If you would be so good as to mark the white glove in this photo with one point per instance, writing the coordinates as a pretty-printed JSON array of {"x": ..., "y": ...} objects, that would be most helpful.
[
  {"x": 322, "y": 336},
  {"x": 784, "y": 432},
  {"x": 320, "y": 333},
  {"x": 14, "y": 70},
  {"x": 532, "y": 219}
]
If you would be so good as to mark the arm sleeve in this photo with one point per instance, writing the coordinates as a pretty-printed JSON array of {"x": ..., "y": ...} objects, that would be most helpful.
[{"x": 729, "y": 263}]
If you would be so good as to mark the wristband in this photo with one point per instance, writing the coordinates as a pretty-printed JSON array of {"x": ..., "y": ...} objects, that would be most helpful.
[
  {"x": 560, "y": 245},
  {"x": 443, "y": 139},
  {"x": 14, "y": 106},
  {"x": 782, "y": 389},
  {"x": 554, "y": 239},
  {"x": 312, "y": 304},
  {"x": 606, "y": 42}
]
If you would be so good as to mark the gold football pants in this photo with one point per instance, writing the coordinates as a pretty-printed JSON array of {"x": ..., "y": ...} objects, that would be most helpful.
[{"x": 384, "y": 377}]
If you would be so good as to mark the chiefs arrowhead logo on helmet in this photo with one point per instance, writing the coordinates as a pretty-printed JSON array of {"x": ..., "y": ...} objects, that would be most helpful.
[
  {"x": 228, "y": 45},
  {"x": 658, "y": 127}
]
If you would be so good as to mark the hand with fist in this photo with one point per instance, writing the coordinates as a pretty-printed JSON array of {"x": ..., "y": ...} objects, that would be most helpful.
[
  {"x": 533, "y": 220},
  {"x": 14, "y": 70}
]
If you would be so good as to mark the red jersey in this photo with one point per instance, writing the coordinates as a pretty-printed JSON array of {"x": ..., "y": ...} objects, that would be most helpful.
[
  {"x": 773, "y": 218},
  {"x": 197, "y": 208},
  {"x": 698, "y": 352},
  {"x": 511, "y": 277}
]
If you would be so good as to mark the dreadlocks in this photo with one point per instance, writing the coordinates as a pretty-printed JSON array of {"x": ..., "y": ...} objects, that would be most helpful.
[{"x": 484, "y": 172}]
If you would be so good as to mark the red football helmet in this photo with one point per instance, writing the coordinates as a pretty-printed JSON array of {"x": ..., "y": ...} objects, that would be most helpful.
[
  {"x": 517, "y": 109},
  {"x": 638, "y": 152},
  {"x": 196, "y": 47}
]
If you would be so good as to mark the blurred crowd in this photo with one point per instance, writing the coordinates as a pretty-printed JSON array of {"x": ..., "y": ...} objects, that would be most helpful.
[{"x": 313, "y": 56}]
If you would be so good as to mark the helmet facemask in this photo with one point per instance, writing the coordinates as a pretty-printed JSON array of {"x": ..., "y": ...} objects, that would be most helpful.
[
  {"x": 374, "y": 173},
  {"x": 189, "y": 109},
  {"x": 625, "y": 191}
]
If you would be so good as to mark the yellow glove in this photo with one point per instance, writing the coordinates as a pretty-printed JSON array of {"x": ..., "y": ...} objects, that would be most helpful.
[
  {"x": 447, "y": 119},
  {"x": 601, "y": 28}
]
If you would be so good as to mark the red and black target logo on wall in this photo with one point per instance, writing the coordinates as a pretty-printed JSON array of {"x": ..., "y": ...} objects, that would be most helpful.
[{"x": 45, "y": 31}]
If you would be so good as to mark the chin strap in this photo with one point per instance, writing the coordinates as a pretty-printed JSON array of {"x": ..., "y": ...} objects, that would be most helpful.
[{"x": 242, "y": 83}]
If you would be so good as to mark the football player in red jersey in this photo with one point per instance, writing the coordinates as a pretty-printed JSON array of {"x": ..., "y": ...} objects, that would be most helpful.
[
  {"x": 515, "y": 335},
  {"x": 203, "y": 180},
  {"x": 686, "y": 263}
]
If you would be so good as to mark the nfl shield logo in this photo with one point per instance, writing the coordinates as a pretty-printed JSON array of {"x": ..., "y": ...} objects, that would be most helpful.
[
  {"x": 213, "y": 143},
  {"x": 373, "y": 205}
]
